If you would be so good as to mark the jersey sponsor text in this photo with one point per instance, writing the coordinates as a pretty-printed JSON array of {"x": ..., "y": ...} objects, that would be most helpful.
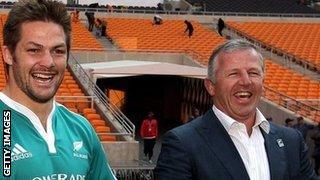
[{"x": 61, "y": 177}]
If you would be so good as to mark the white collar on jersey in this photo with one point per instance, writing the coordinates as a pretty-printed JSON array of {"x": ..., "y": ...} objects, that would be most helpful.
[{"x": 47, "y": 136}]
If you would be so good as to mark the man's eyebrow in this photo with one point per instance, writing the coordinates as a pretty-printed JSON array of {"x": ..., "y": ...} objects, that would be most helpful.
[
  {"x": 41, "y": 46},
  {"x": 60, "y": 45},
  {"x": 255, "y": 69},
  {"x": 35, "y": 44}
]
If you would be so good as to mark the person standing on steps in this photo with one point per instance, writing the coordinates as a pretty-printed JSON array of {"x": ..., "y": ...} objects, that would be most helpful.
[{"x": 149, "y": 134}]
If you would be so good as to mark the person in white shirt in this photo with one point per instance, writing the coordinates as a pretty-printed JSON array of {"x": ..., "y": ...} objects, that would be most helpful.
[{"x": 233, "y": 140}]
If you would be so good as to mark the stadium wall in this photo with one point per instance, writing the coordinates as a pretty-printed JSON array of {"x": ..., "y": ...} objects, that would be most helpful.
[
  {"x": 208, "y": 18},
  {"x": 122, "y": 153}
]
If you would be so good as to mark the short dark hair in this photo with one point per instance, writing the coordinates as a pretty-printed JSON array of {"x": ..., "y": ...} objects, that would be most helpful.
[
  {"x": 288, "y": 120},
  {"x": 300, "y": 118},
  {"x": 35, "y": 10}
]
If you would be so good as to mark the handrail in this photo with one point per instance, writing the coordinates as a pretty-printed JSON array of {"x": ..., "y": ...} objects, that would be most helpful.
[
  {"x": 208, "y": 13},
  {"x": 63, "y": 99},
  {"x": 294, "y": 105},
  {"x": 115, "y": 116}
]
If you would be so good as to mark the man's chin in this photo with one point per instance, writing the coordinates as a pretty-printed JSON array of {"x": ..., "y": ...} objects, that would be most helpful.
[
  {"x": 43, "y": 99},
  {"x": 40, "y": 98}
]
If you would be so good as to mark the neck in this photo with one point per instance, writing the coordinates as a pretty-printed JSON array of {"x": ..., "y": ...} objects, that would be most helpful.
[
  {"x": 42, "y": 110},
  {"x": 248, "y": 120},
  {"x": 249, "y": 124}
]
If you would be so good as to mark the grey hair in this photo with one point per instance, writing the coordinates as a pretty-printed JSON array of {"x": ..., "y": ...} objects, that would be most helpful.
[{"x": 227, "y": 47}]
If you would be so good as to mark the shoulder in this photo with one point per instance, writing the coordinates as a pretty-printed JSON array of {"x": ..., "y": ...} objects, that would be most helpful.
[
  {"x": 77, "y": 125},
  {"x": 183, "y": 130},
  {"x": 66, "y": 112},
  {"x": 192, "y": 127},
  {"x": 186, "y": 133},
  {"x": 72, "y": 119},
  {"x": 290, "y": 134},
  {"x": 282, "y": 129},
  {"x": 3, "y": 106}
]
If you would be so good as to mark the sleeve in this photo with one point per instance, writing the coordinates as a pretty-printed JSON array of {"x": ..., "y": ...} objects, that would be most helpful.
[
  {"x": 306, "y": 169},
  {"x": 99, "y": 167},
  {"x": 173, "y": 162}
]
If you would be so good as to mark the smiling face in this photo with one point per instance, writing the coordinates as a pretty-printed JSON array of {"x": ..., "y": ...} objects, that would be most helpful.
[
  {"x": 39, "y": 61},
  {"x": 239, "y": 83}
]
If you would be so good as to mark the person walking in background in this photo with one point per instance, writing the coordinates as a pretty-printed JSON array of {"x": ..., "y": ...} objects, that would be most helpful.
[
  {"x": 101, "y": 27},
  {"x": 149, "y": 134},
  {"x": 104, "y": 28},
  {"x": 90, "y": 18},
  {"x": 157, "y": 20},
  {"x": 220, "y": 26},
  {"x": 98, "y": 27},
  {"x": 233, "y": 140},
  {"x": 189, "y": 28}
]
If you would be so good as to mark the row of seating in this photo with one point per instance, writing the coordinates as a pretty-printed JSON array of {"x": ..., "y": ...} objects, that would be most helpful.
[
  {"x": 82, "y": 39},
  {"x": 290, "y": 83},
  {"x": 142, "y": 34},
  {"x": 299, "y": 39}
]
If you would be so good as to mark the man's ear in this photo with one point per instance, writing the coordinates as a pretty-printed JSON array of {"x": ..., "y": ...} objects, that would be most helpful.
[
  {"x": 209, "y": 86},
  {"x": 6, "y": 54}
]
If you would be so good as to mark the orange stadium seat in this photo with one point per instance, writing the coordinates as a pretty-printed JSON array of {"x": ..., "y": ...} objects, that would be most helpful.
[
  {"x": 135, "y": 34},
  {"x": 104, "y": 137},
  {"x": 93, "y": 116},
  {"x": 82, "y": 39},
  {"x": 88, "y": 111},
  {"x": 291, "y": 83},
  {"x": 102, "y": 129},
  {"x": 98, "y": 123},
  {"x": 300, "y": 39}
]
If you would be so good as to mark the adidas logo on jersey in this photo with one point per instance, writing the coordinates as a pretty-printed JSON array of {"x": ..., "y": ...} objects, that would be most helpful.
[{"x": 18, "y": 153}]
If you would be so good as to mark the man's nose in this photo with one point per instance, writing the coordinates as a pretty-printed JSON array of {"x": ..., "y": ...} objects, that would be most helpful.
[
  {"x": 245, "y": 79},
  {"x": 47, "y": 59}
]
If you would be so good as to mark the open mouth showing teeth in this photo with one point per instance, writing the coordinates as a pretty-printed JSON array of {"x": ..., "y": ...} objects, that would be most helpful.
[
  {"x": 243, "y": 94},
  {"x": 43, "y": 78}
]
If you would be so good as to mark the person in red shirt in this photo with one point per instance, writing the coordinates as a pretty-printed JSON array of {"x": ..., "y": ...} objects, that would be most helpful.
[{"x": 149, "y": 134}]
